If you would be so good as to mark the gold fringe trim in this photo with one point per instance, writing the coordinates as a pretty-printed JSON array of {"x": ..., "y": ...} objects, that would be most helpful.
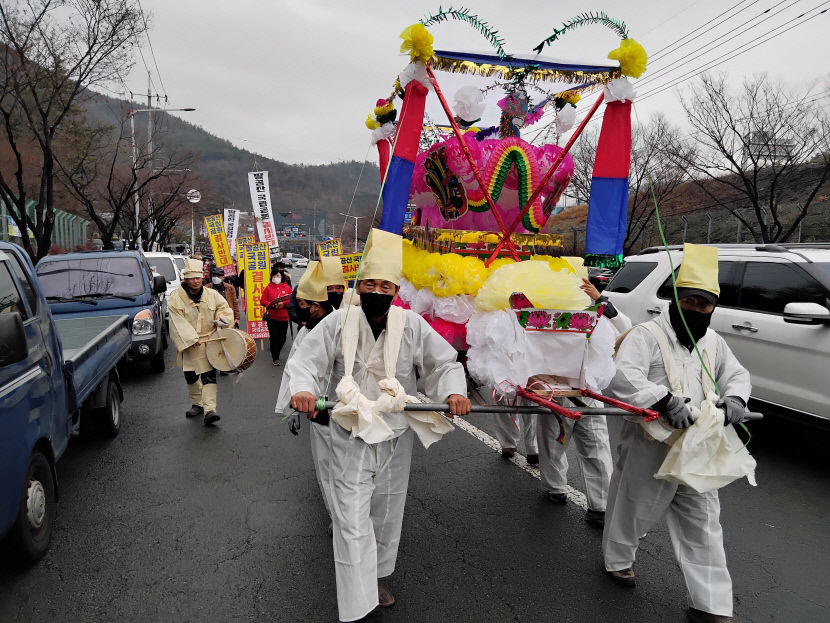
[{"x": 505, "y": 72}]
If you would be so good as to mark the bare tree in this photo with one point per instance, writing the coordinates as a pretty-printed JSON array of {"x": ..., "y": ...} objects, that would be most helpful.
[
  {"x": 103, "y": 177},
  {"x": 651, "y": 170},
  {"x": 583, "y": 153},
  {"x": 760, "y": 152},
  {"x": 653, "y": 175},
  {"x": 51, "y": 51}
]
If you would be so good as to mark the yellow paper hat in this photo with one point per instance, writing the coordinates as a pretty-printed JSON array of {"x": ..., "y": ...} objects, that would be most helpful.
[
  {"x": 312, "y": 286},
  {"x": 382, "y": 257},
  {"x": 333, "y": 270},
  {"x": 193, "y": 268},
  {"x": 698, "y": 274}
]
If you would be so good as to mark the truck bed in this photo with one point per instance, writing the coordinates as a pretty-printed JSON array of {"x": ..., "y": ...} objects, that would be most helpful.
[{"x": 92, "y": 346}]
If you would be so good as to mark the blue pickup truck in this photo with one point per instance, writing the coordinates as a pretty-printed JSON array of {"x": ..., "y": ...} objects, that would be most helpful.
[
  {"x": 56, "y": 377},
  {"x": 109, "y": 283}
]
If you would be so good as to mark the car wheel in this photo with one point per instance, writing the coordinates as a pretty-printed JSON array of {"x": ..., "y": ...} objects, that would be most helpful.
[
  {"x": 109, "y": 416},
  {"x": 32, "y": 530},
  {"x": 157, "y": 362}
]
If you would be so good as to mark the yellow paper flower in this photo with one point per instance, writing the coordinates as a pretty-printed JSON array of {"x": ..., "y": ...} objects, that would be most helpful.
[
  {"x": 371, "y": 123},
  {"x": 632, "y": 58},
  {"x": 571, "y": 97},
  {"x": 418, "y": 42}
]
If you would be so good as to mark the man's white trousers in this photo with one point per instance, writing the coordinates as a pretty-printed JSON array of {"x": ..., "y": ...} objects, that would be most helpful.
[
  {"x": 508, "y": 435},
  {"x": 637, "y": 501},
  {"x": 590, "y": 434},
  {"x": 368, "y": 489},
  {"x": 321, "y": 455}
]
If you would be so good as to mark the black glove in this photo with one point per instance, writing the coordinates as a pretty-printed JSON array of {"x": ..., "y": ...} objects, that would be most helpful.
[
  {"x": 734, "y": 409},
  {"x": 677, "y": 413},
  {"x": 294, "y": 423}
]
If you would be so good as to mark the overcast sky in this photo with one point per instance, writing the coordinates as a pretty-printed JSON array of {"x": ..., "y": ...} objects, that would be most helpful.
[{"x": 295, "y": 80}]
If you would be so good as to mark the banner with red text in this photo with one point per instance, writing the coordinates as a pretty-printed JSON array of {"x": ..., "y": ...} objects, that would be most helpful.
[
  {"x": 261, "y": 201},
  {"x": 219, "y": 243},
  {"x": 257, "y": 276}
]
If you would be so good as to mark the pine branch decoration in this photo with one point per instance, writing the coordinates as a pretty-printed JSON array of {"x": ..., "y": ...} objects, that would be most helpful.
[
  {"x": 585, "y": 19},
  {"x": 463, "y": 14}
]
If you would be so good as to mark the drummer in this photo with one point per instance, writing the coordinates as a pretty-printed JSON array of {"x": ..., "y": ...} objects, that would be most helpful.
[{"x": 194, "y": 312}]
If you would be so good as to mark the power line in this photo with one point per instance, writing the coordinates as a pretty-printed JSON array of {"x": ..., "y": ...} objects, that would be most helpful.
[
  {"x": 699, "y": 28},
  {"x": 656, "y": 56},
  {"x": 723, "y": 41},
  {"x": 726, "y": 56},
  {"x": 152, "y": 52},
  {"x": 674, "y": 81}
]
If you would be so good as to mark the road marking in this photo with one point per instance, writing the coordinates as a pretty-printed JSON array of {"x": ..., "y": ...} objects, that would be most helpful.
[{"x": 574, "y": 495}]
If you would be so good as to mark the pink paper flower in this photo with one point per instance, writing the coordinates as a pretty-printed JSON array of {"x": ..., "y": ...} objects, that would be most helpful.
[
  {"x": 581, "y": 321},
  {"x": 538, "y": 319}
]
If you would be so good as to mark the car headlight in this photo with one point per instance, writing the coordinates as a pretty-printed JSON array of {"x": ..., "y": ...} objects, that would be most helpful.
[{"x": 143, "y": 323}]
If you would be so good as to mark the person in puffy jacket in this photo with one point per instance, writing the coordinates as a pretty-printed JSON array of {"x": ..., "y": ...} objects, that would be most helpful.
[{"x": 275, "y": 299}]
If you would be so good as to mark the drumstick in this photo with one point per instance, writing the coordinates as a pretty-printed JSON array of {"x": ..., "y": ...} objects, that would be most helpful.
[{"x": 213, "y": 339}]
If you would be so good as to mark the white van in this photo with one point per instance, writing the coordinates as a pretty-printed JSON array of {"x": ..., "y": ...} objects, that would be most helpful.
[{"x": 164, "y": 264}]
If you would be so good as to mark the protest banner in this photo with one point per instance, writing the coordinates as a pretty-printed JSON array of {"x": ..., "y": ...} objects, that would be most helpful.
[
  {"x": 257, "y": 270},
  {"x": 231, "y": 226},
  {"x": 221, "y": 253},
  {"x": 351, "y": 263},
  {"x": 261, "y": 200},
  {"x": 328, "y": 248},
  {"x": 241, "y": 241}
]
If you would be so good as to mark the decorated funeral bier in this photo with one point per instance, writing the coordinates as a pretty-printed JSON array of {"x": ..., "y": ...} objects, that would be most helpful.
[{"x": 472, "y": 197}]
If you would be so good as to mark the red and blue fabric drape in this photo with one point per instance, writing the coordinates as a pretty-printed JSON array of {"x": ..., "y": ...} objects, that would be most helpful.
[
  {"x": 399, "y": 173},
  {"x": 608, "y": 205}
]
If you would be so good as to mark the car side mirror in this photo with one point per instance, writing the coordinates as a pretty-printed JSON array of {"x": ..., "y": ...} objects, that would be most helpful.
[
  {"x": 159, "y": 284},
  {"x": 806, "y": 313},
  {"x": 13, "y": 346}
]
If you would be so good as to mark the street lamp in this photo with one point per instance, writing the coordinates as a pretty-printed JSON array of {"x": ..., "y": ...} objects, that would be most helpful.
[
  {"x": 356, "y": 219},
  {"x": 131, "y": 114}
]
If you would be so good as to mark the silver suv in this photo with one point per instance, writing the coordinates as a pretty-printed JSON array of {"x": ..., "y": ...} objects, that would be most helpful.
[{"x": 774, "y": 312}]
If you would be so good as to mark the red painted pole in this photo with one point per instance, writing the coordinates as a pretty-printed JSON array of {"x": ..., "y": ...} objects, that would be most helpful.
[
  {"x": 466, "y": 150},
  {"x": 648, "y": 414},
  {"x": 550, "y": 172}
]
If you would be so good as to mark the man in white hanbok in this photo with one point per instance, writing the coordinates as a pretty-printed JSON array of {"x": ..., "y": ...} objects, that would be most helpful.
[
  {"x": 589, "y": 433},
  {"x": 313, "y": 304},
  {"x": 637, "y": 500},
  {"x": 371, "y": 355}
]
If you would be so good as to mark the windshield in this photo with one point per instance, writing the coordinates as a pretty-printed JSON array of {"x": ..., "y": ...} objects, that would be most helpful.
[
  {"x": 179, "y": 262},
  {"x": 164, "y": 266},
  {"x": 822, "y": 268},
  {"x": 111, "y": 276}
]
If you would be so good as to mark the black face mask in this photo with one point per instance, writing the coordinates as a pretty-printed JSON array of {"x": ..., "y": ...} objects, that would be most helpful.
[
  {"x": 303, "y": 314},
  {"x": 698, "y": 323},
  {"x": 314, "y": 321},
  {"x": 335, "y": 299},
  {"x": 375, "y": 304}
]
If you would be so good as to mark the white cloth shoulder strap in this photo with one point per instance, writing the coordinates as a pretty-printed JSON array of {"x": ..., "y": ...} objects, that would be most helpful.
[
  {"x": 348, "y": 338},
  {"x": 364, "y": 417}
]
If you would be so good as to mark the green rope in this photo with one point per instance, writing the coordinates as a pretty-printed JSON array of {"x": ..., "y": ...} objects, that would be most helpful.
[{"x": 324, "y": 397}]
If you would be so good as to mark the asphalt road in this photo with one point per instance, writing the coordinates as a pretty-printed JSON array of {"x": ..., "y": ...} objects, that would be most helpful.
[{"x": 172, "y": 521}]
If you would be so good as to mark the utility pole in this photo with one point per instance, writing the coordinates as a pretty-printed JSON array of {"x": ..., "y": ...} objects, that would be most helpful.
[
  {"x": 356, "y": 218},
  {"x": 152, "y": 225}
]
